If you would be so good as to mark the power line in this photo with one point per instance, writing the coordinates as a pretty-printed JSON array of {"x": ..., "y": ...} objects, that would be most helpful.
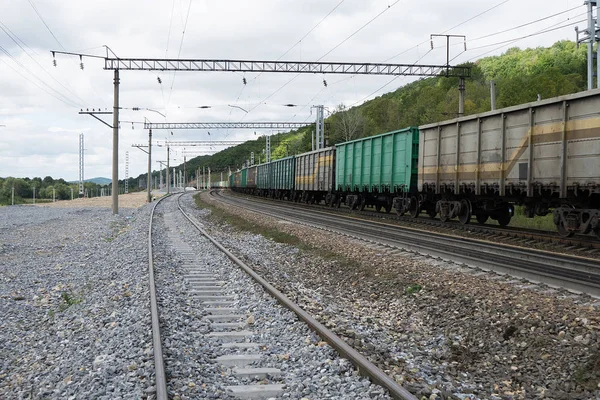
[
  {"x": 14, "y": 39},
  {"x": 359, "y": 29},
  {"x": 45, "y": 24},
  {"x": 508, "y": 42},
  {"x": 312, "y": 29},
  {"x": 180, "y": 47},
  {"x": 34, "y": 83},
  {"x": 335, "y": 47},
  {"x": 447, "y": 30},
  {"x": 476, "y": 16},
  {"x": 166, "y": 53},
  {"x": 524, "y": 25},
  {"x": 417, "y": 46},
  {"x": 299, "y": 41}
]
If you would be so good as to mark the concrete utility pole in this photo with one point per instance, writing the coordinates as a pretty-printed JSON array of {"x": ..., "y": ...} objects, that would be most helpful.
[
  {"x": 34, "y": 195},
  {"x": 81, "y": 165},
  {"x": 167, "y": 182},
  {"x": 149, "y": 164},
  {"x": 268, "y": 148},
  {"x": 493, "y": 94},
  {"x": 320, "y": 133},
  {"x": 115, "y": 167},
  {"x": 590, "y": 37},
  {"x": 53, "y": 195},
  {"x": 13, "y": 195},
  {"x": 126, "y": 172}
]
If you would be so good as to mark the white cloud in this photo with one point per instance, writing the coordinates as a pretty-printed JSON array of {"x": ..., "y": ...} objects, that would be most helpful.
[{"x": 43, "y": 124}]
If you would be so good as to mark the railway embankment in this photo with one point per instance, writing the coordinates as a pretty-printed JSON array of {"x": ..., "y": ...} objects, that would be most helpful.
[{"x": 440, "y": 329}]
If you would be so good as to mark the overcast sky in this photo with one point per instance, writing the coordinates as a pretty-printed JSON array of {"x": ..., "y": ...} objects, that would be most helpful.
[{"x": 39, "y": 103}]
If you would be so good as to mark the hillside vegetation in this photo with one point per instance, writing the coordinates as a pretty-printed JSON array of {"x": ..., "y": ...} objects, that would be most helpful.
[{"x": 520, "y": 76}]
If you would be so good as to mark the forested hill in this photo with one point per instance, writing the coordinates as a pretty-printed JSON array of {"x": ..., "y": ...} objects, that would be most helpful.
[{"x": 520, "y": 75}]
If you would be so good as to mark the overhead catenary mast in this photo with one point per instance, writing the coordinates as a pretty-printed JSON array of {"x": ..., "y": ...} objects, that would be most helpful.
[{"x": 81, "y": 192}]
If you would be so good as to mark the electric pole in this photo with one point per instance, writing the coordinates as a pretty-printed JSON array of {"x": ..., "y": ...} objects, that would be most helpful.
[
  {"x": 81, "y": 165},
  {"x": 115, "y": 167},
  {"x": 590, "y": 37},
  {"x": 461, "y": 78},
  {"x": 126, "y": 172}
]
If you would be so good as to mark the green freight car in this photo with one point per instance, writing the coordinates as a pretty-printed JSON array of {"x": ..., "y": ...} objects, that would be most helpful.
[
  {"x": 379, "y": 171},
  {"x": 275, "y": 179}
]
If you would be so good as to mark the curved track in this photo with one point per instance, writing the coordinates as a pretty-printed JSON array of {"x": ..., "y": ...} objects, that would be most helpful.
[
  {"x": 575, "y": 243},
  {"x": 365, "y": 367},
  {"x": 574, "y": 273}
]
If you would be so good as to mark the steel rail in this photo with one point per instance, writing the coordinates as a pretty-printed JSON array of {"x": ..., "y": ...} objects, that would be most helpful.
[
  {"x": 159, "y": 365},
  {"x": 364, "y": 366}
]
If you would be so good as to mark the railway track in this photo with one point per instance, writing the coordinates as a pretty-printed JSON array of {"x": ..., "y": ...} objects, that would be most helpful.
[
  {"x": 587, "y": 245},
  {"x": 235, "y": 325},
  {"x": 571, "y": 272}
]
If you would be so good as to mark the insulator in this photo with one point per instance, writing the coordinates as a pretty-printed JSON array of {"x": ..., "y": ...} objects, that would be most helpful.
[
  {"x": 244, "y": 81},
  {"x": 132, "y": 127},
  {"x": 324, "y": 83},
  {"x": 54, "y": 62},
  {"x": 159, "y": 80},
  {"x": 81, "y": 66}
]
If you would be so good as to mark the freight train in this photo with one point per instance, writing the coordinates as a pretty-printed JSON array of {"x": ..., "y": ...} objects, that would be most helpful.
[{"x": 543, "y": 155}]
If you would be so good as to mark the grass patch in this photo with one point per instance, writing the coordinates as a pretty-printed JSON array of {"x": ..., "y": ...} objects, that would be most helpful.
[
  {"x": 221, "y": 215},
  {"x": 68, "y": 299},
  {"x": 412, "y": 289},
  {"x": 588, "y": 375},
  {"x": 218, "y": 214},
  {"x": 519, "y": 220}
]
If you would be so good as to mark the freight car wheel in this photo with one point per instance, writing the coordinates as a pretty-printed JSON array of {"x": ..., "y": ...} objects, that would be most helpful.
[
  {"x": 363, "y": 203},
  {"x": 562, "y": 231},
  {"x": 415, "y": 208},
  {"x": 338, "y": 202},
  {"x": 504, "y": 218},
  {"x": 481, "y": 217},
  {"x": 378, "y": 207},
  {"x": 465, "y": 212},
  {"x": 431, "y": 212},
  {"x": 388, "y": 208}
]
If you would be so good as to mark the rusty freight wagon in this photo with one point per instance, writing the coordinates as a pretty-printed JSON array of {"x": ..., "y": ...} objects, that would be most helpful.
[
  {"x": 544, "y": 155},
  {"x": 314, "y": 176}
]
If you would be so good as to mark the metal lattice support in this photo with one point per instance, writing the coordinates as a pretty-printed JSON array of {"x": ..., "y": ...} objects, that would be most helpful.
[
  {"x": 320, "y": 138},
  {"x": 146, "y": 64},
  {"x": 126, "y": 172},
  {"x": 81, "y": 193},
  {"x": 268, "y": 149},
  {"x": 225, "y": 125}
]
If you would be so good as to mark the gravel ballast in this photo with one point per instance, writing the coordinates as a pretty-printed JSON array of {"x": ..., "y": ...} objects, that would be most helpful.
[
  {"x": 440, "y": 329},
  {"x": 310, "y": 369},
  {"x": 74, "y": 304}
]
